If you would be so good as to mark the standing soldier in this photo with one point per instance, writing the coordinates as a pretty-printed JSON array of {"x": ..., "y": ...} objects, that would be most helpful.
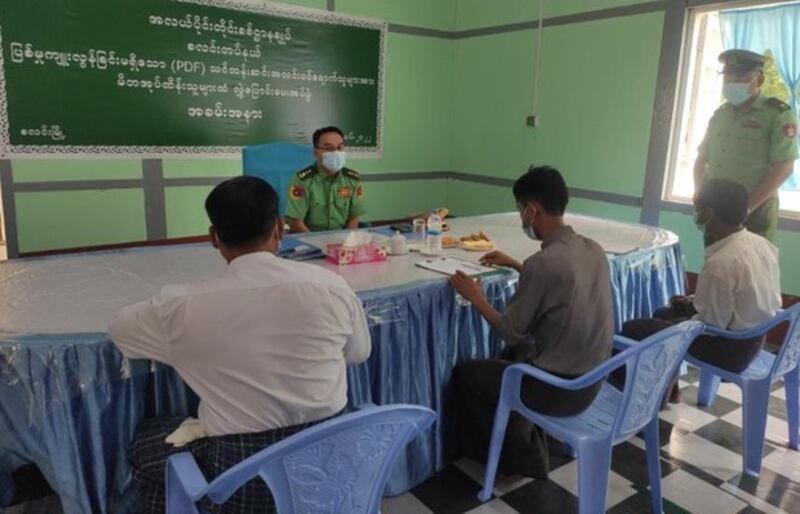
[{"x": 751, "y": 140}]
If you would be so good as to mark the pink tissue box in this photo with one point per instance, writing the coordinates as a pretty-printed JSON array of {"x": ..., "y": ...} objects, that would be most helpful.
[{"x": 341, "y": 255}]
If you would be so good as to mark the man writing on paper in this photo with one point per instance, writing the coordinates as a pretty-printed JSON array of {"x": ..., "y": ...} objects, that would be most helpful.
[
  {"x": 561, "y": 315},
  {"x": 264, "y": 344},
  {"x": 326, "y": 195}
]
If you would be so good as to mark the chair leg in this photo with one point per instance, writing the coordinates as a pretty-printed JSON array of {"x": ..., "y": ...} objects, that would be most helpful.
[
  {"x": 755, "y": 400},
  {"x": 495, "y": 446},
  {"x": 709, "y": 383},
  {"x": 654, "y": 466},
  {"x": 594, "y": 463},
  {"x": 791, "y": 381}
]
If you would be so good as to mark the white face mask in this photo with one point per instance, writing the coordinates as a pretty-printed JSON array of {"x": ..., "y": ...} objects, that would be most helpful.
[
  {"x": 334, "y": 161},
  {"x": 736, "y": 93},
  {"x": 529, "y": 229}
]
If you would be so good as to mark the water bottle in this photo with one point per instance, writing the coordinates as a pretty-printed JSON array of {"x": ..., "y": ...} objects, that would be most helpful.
[{"x": 433, "y": 240}]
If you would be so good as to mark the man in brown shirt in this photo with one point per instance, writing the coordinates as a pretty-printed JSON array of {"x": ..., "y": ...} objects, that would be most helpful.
[{"x": 561, "y": 317}]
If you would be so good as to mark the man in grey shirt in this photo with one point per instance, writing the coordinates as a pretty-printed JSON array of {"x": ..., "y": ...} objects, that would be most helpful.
[{"x": 561, "y": 316}]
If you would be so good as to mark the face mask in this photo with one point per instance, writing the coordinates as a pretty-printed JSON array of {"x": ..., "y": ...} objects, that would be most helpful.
[
  {"x": 736, "y": 93},
  {"x": 334, "y": 161},
  {"x": 529, "y": 230}
]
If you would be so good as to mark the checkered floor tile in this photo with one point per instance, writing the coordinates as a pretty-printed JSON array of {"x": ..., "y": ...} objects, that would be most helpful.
[{"x": 701, "y": 464}]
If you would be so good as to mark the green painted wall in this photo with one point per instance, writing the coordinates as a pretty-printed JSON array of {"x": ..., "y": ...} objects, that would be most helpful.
[
  {"x": 80, "y": 218},
  {"x": 595, "y": 114},
  {"x": 483, "y": 13},
  {"x": 789, "y": 244},
  {"x": 76, "y": 169},
  {"x": 469, "y": 199},
  {"x": 435, "y": 14}
]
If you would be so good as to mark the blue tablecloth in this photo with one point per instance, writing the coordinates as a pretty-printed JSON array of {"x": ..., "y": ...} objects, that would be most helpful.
[{"x": 69, "y": 403}]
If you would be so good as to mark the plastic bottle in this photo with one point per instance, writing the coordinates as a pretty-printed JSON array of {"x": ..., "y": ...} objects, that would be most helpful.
[{"x": 433, "y": 241}]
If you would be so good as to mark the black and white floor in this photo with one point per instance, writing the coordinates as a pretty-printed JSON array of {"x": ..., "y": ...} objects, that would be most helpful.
[{"x": 701, "y": 465}]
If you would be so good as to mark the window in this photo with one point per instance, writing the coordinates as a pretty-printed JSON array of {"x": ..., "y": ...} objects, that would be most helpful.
[{"x": 700, "y": 95}]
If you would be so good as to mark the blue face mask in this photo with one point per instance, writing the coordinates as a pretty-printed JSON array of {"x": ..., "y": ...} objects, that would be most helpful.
[
  {"x": 736, "y": 93},
  {"x": 333, "y": 161}
]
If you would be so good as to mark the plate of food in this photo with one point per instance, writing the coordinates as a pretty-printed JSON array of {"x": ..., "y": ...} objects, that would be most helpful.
[{"x": 477, "y": 242}]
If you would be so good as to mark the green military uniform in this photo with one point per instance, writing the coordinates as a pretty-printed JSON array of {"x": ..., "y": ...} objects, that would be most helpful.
[
  {"x": 742, "y": 146},
  {"x": 325, "y": 202}
]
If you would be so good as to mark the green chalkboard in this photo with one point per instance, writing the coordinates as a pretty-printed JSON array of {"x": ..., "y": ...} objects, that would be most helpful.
[{"x": 183, "y": 76}]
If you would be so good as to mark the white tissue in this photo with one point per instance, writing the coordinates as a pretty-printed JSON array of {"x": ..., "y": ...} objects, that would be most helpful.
[
  {"x": 190, "y": 430},
  {"x": 357, "y": 239}
]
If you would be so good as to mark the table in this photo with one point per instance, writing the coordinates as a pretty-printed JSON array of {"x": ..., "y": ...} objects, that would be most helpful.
[{"x": 69, "y": 402}]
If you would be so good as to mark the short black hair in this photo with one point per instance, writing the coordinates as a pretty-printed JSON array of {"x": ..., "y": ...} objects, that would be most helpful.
[
  {"x": 242, "y": 210},
  {"x": 325, "y": 130},
  {"x": 725, "y": 198},
  {"x": 544, "y": 185}
]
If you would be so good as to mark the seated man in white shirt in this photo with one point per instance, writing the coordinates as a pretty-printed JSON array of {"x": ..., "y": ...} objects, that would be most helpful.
[
  {"x": 264, "y": 344},
  {"x": 737, "y": 288}
]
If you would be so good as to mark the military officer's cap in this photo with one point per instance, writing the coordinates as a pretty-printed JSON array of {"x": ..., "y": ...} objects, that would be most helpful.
[{"x": 742, "y": 61}]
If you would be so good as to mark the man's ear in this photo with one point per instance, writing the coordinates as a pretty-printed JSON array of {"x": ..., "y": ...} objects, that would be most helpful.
[{"x": 212, "y": 234}]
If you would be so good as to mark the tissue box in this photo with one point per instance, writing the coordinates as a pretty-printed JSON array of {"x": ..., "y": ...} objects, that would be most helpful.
[{"x": 343, "y": 255}]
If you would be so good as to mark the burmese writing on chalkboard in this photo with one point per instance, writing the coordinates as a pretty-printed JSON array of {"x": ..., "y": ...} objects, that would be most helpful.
[{"x": 177, "y": 77}]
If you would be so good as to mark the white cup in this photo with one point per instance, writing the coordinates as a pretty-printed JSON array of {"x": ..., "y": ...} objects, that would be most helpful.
[{"x": 399, "y": 245}]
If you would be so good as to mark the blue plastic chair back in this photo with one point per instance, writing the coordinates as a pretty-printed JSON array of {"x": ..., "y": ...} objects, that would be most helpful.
[
  {"x": 789, "y": 355},
  {"x": 756, "y": 381},
  {"x": 277, "y": 163},
  {"x": 339, "y": 466},
  {"x": 649, "y": 371},
  {"x": 612, "y": 418}
]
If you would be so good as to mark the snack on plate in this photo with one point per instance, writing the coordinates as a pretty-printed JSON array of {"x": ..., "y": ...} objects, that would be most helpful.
[
  {"x": 450, "y": 242},
  {"x": 477, "y": 242}
]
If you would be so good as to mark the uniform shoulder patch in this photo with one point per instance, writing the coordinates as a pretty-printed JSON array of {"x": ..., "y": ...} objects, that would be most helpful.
[
  {"x": 352, "y": 174},
  {"x": 779, "y": 104},
  {"x": 306, "y": 173},
  {"x": 297, "y": 192}
]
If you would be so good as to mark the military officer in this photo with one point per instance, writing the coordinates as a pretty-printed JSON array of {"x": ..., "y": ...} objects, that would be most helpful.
[
  {"x": 751, "y": 140},
  {"x": 326, "y": 195}
]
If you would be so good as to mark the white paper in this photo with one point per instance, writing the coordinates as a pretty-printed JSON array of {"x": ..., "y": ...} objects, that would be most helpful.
[
  {"x": 355, "y": 239},
  {"x": 449, "y": 266}
]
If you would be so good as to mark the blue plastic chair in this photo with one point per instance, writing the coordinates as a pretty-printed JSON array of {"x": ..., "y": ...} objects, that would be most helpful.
[
  {"x": 613, "y": 417},
  {"x": 755, "y": 383},
  {"x": 277, "y": 163},
  {"x": 339, "y": 466}
]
